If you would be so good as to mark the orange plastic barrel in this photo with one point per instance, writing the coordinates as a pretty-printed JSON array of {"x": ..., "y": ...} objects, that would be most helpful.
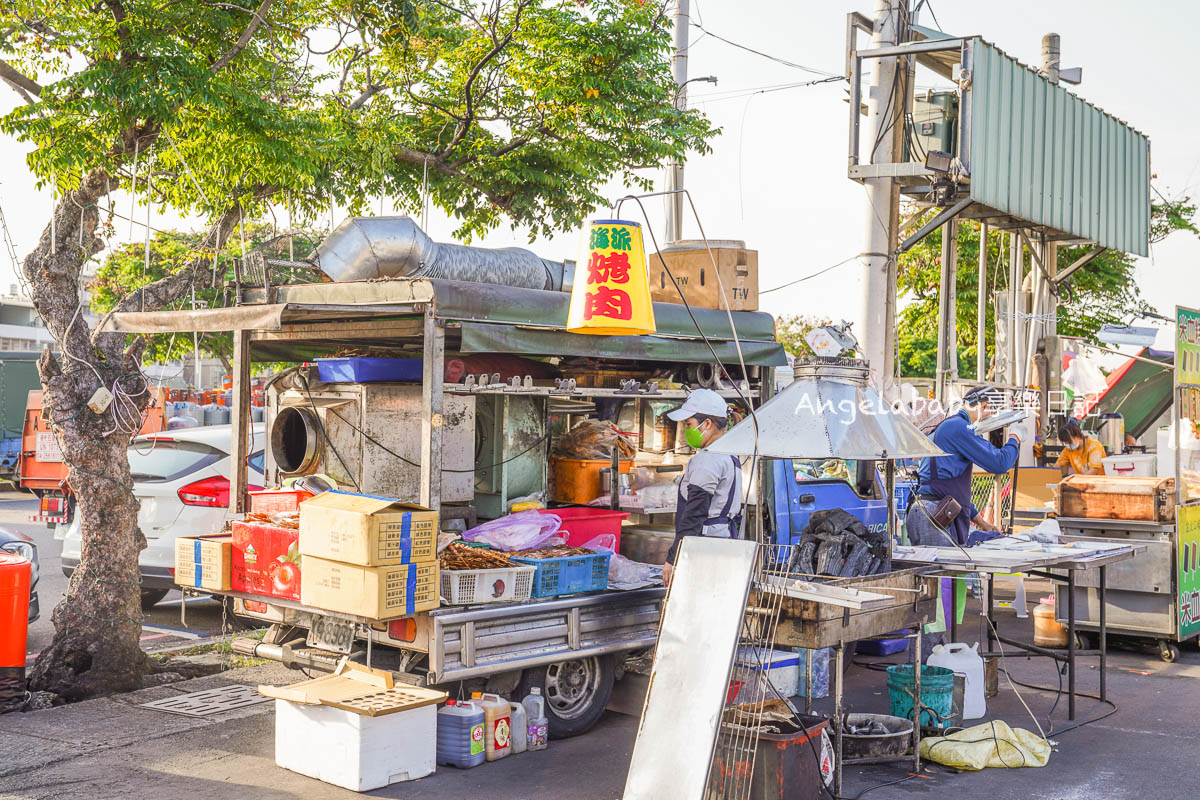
[{"x": 15, "y": 573}]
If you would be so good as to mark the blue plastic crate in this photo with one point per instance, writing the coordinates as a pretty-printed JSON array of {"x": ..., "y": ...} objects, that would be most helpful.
[
  {"x": 882, "y": 647},
  {"x": 903, "y": 492},
  {"x": 369, "y": 370},
  {"x": 568, "y": 574}
]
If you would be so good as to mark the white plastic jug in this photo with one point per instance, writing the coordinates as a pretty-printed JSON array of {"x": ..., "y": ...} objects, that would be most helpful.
[
  {"x": 520, "y": 728},
  {"x": 959, "y": 658}
]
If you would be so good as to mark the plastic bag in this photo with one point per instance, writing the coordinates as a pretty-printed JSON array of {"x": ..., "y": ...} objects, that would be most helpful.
[
  {"x": 594, "y": 439},
  {"x": 622, "y": 572},
  {"x": 605, "y": 541},
  {"x": 527, "y": 530},
  {"x": 659, "y": 495},
  {"x": 991, "y": 744}
]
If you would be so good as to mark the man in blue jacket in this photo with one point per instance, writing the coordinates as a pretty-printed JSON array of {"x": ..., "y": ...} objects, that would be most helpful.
[{"x": 950, "y": 475}]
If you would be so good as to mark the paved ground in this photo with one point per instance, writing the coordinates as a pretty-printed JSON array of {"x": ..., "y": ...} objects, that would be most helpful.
[
  {"x": 111, "y": 748},
  {"x": 162, "y": 626}
]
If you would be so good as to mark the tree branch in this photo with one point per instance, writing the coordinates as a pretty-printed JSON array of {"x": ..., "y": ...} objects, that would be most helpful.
[
  {"x": 244, "y": 40},
  {"x": 410, "y": 156},
  {"x": 23, "y": 85},
  {"x": 170, "y": 288},
  {"x": 464, "y": 124}
]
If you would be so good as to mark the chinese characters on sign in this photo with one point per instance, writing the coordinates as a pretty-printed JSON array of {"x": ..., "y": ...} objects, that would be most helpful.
[
  {"x": 611, "y": 294},
  {"x": 1188, "y": 563}
]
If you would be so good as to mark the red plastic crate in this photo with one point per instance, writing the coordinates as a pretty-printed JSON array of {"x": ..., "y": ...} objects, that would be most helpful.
[{"x": 581, "y": 525}]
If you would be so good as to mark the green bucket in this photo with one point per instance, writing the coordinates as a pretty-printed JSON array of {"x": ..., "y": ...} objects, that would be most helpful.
[{"x": 937, "y": 694}]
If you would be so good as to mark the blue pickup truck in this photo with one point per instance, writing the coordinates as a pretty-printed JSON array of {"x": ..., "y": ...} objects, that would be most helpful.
[{"x": 802, "y": 486}]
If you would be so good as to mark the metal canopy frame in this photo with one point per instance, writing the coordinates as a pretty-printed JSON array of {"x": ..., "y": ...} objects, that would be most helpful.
[{"x": 425, "y": 318}]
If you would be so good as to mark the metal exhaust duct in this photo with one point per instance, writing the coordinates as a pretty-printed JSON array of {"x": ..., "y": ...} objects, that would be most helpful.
[{"x": 363, "y": 248}]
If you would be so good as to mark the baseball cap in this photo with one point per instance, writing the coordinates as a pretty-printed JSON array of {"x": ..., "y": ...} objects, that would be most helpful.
[
  {"x": 984, "y": 394},
  {"x": 701, "y": 401}
]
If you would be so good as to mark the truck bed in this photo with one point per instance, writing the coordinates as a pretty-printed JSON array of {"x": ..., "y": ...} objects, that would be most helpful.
[{"x": 464, "y": 642}]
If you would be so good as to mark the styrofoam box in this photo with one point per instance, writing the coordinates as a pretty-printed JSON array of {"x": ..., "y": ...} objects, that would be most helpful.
[
  {"x": 783, "y": 668},
  {"x": 355, "y": 751},
  {"x": 1131, "y": 464}
]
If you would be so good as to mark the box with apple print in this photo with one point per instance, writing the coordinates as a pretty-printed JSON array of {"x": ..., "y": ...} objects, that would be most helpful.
[{"x": 266, "y": 560}]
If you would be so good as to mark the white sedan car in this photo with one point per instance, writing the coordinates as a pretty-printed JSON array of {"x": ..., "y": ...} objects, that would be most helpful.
[{"x": 181, "y": 478}]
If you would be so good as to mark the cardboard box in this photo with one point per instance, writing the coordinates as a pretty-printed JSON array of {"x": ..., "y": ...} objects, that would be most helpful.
[
  {"x": 374, "y": 592},
  {"x": 366, "y": 530},
  {"x": 204, "y": 562},
  {"x": 692, "y": 266},
  {"x": 266, "y": 560}
]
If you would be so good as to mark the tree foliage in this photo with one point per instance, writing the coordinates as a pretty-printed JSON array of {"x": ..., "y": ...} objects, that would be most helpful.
[
  {"x": 1103, "y": 292},
  {"x": 517, "y": 109},
  {"x": 790, "y": 332},
  {"x": 125, "y": 269}
]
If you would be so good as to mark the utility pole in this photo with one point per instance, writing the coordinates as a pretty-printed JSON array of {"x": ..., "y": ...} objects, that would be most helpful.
[
  {"x": 679, "y": 71},
  {"x": 886, "y": 101}
]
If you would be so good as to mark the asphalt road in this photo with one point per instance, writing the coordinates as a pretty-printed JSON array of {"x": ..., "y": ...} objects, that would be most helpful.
[{"x": 162, "y": 626}]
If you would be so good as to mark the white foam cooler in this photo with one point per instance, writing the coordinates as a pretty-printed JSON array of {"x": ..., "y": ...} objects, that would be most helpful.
[{"x": 355, "y": 751}]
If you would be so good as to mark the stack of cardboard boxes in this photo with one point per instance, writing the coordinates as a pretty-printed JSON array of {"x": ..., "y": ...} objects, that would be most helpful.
[
  {"x": 368, "y": 556},
  {"x": 372, "y": 557}
]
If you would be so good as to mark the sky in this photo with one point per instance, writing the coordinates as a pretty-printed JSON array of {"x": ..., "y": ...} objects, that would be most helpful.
[{"x": 776, "y": 178}]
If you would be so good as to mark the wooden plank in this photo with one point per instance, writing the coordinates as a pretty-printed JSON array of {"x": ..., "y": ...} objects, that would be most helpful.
[
  {"x": 239, "y": 449},
  {"x": 832, "y": 595}
]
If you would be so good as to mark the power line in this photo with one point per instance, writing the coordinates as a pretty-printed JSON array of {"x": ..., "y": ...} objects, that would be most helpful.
[
  {"x": 809, "y": 276},
  {"x": 767, "y": 56},
  {"x": 735, "y": 94}
]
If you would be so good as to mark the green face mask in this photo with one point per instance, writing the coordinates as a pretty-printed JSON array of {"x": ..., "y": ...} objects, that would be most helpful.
[{"x": 694, "y": 437}]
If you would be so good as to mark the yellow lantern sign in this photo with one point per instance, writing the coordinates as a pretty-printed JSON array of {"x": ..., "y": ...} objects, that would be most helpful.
[{"x": 611, "y": 293}]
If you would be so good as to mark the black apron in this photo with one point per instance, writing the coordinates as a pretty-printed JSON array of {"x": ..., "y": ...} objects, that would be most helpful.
[
  {"x": 734, "y": 522},
  {"x": 956, "y": 486}
]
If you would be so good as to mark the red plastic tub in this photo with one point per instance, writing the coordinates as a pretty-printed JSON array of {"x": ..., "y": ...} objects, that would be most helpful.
[{"x": 581, "y": 525}]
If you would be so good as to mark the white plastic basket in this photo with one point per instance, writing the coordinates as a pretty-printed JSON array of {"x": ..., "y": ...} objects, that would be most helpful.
[{"x": 467, "y": 587}]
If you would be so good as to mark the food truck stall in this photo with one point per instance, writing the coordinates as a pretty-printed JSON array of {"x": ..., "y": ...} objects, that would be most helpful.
[
  {"x": 466, "y": 448},
  {"x": 1156, "y": 595}
]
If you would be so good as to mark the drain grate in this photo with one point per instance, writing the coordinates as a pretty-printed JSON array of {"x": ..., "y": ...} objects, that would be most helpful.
[{"x": 209, "y": 701}]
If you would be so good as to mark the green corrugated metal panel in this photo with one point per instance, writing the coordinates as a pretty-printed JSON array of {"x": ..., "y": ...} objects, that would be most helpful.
[
  {"x": 1039, "y": 153},
  {"x": 18, "y": 375}
]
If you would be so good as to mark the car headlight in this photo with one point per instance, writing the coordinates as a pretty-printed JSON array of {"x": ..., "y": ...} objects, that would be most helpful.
[{"x": 24, "y": 550}]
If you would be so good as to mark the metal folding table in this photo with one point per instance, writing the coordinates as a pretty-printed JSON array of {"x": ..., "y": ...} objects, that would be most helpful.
[{"x": 1039, "y": 564}]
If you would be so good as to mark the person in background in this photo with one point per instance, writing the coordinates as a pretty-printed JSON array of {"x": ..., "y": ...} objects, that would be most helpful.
[
  {"x": 710, "y": 492},
  {"x": 1081, "y": 455},
  {"x": 950, "y": 475}
]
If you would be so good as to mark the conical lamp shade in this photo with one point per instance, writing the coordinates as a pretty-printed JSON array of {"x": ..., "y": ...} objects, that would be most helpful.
[{"x": 611, "y": 293}]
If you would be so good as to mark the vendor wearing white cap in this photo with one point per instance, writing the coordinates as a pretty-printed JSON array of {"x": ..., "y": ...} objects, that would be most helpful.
[{"x": 710, "y": 492}]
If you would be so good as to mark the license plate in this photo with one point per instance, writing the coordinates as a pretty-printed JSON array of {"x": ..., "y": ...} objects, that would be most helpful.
[{"x": 331, "y": 634}]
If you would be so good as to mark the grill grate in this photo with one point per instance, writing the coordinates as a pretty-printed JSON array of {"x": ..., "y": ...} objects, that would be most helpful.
[{"x": 209, "y": 701}]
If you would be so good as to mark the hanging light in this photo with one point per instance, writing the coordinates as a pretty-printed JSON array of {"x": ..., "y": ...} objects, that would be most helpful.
[{"x": 611, "y": 293}]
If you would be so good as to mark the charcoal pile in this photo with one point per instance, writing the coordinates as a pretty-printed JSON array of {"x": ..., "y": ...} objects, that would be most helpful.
[{"x": 838, "y": 544}]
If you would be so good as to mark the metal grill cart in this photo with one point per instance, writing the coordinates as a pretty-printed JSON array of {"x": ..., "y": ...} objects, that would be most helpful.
[
  {"x": 830, "y": 411},
  {"x": 1156, "y": 595}
]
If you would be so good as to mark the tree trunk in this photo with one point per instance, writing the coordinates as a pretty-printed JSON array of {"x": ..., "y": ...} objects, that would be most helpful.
[{"x": 97, "y": 625}]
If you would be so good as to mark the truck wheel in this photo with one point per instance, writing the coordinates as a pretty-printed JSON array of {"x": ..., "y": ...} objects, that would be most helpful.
[
  {"x": 151, "y": 598},
  {"x": 576, "y": 692}
]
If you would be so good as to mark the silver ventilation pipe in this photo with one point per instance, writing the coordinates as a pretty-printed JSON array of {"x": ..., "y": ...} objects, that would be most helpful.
[{"x": 362, "y": 248}]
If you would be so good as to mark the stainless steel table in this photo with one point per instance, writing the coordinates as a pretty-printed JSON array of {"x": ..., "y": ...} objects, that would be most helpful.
[{"x": 1039, "y": 564}]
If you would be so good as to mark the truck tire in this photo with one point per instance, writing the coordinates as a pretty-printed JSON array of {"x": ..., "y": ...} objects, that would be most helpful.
[
  {"x": 576, "y": 692},
  {"x": 151, "y": 598}
]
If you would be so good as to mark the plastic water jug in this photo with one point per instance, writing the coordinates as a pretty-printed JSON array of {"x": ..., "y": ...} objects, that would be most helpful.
[
  {"x": 520, "y": 728},
  {"x": 535, "y": 712},
  {"x": 1047, "y": 631},
  {"x": 460, "y": 739},
  {"x": 497, "y": 725},
  {"x": 959, "y": 658}
]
